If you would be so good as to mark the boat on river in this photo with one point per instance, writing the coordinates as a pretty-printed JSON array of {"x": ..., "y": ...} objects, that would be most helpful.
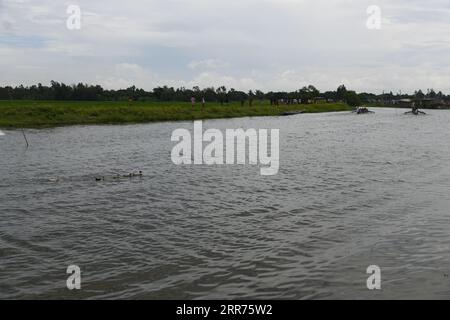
[
  {"x": 362, "y": 110},
  {"x": 416, "y": 112}
]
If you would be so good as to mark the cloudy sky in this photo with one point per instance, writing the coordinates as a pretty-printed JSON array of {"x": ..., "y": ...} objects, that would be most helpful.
[{"x": 244, "y": 44}]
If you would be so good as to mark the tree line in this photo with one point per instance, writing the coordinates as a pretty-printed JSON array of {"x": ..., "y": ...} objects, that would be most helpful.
[{"x": 85, "y": 92}]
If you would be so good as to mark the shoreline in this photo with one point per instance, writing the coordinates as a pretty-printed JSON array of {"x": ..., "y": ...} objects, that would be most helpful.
[{"x": 17, "y": 114}]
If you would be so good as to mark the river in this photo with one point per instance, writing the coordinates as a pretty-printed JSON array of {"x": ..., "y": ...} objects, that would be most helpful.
[{"x": 352, "y": 191}]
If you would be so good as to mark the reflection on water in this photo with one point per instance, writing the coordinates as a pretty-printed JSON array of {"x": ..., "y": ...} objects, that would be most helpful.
[{"x": 352, "y": 191}]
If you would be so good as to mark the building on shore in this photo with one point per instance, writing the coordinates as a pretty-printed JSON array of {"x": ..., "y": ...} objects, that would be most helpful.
[
  {"x": 425, "y": 103},
  {"x": 430, "y": 103},
  {"x": 320, "y": 100},
  {"x": 403, "y": 103}
]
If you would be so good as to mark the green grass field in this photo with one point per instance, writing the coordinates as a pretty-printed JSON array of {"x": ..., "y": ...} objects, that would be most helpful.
[{"x": 36, "y": 114}]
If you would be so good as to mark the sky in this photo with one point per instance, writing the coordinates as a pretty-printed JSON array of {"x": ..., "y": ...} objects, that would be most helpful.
[{"x": 242, "y": 44}]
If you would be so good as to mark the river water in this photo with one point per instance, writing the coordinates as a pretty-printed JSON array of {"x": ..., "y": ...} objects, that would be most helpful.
[{"x": 352, "y": 191}]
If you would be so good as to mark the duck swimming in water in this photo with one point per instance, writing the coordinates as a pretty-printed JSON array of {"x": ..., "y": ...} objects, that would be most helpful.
[{"x": 139, "y": 174}]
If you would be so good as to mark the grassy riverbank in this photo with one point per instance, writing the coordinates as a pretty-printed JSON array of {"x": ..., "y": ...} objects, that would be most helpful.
[{"x": 35, "y": 114}]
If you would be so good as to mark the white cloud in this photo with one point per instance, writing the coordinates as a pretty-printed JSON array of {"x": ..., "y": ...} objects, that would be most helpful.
[
  {"x": 125, "y": 75},
  {"x": 208, "y": 64},
  {"x": 213, "y": 79},
  {"x": 245, "y": 44}
]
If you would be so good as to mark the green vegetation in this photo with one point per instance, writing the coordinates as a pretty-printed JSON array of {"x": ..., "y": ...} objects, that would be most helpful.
[
  {"x": 352, "y": 99},
  {"x": 35, "y": 114}
]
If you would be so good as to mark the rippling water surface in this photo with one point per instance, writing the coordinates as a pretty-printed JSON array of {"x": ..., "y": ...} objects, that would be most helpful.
[{"x": 352, "y": 191}]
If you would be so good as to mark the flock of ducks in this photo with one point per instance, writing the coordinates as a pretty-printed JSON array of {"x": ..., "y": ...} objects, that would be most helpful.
[
  {"x": 102, "y": 178},
  {"x": 118, "y": 176}
]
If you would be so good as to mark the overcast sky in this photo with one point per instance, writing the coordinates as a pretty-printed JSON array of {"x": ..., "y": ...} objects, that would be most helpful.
[{"x": 244, "y": 44}]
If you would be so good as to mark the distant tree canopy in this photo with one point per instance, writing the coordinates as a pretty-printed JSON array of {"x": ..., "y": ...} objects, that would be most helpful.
[
  {"x": 341, "y": 92},
  {"x": 419, "y": 94},
  {"x": 306, "y": 94},
  {"x": 352, "y": 99}
]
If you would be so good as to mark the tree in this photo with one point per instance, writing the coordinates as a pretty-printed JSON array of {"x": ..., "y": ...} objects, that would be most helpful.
[
  {"x": 305, "y": 94},
  {"x": 259, "y": 94},
  {"x": 432, "y": 94},
  {"x": 341, "y": 93},
  {"x": 222, "y": 94},
  {"x": 419, "y": 94},
  {"x": 313, "y": 92},
  {"x": 352, "y": 99}
]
